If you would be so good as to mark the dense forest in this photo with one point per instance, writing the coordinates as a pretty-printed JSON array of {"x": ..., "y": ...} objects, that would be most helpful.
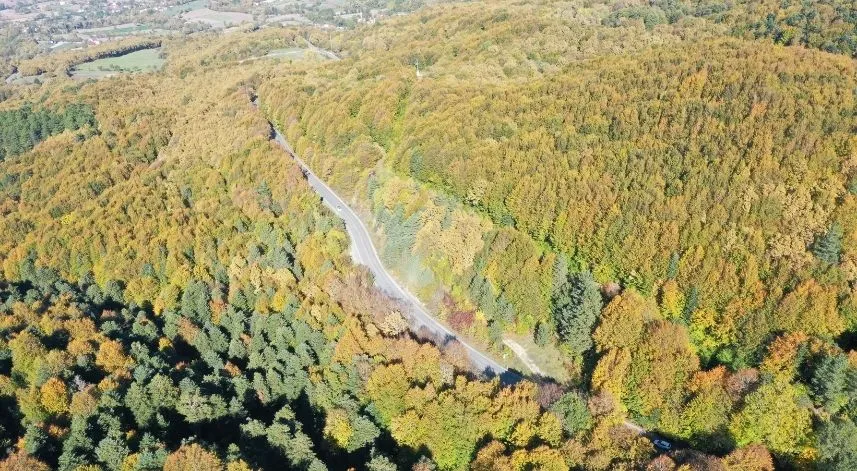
[
  {"x": 673, "y": 215},
  {"x": 657, "y": 200},
  {"x": 174, "y": 295},
  {"x": 23, "y": 128},
  {"x": 828, "y": 25}
]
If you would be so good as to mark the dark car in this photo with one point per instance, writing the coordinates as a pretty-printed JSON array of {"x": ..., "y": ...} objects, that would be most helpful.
[{"x": 662, "y": 444}]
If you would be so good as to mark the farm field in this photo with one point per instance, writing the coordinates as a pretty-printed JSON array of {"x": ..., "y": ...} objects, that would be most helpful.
[
  {"x": 217, "y": 19},
  {"x": 289, "y": 19},
  {"x": 193, "y": 5},
  {"x": 146, "y": 60},
  {"x": 118, "y": 30}
]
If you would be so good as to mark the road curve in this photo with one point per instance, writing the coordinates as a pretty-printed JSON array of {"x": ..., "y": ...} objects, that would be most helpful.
[
  {"x": 364, "y": 253},
  {"x": 324, "y": 52}
]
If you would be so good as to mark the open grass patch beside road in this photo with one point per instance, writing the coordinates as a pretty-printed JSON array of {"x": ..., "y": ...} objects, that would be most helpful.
[{"x": 548, "y": 359}]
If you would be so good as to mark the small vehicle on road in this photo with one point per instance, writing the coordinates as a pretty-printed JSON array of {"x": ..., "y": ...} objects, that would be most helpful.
[
  {"x": 339, "y": 208},
  {"x": 662, "y": 445}
]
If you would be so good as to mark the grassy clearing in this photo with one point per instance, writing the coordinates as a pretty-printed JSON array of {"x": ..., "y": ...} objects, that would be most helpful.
[
  {"x": 217, "y": 19},
  {"x": 116, "y": 30},
  {"x": 145, "y": 60},
  {"x": 289, "y": 53},
  {"x": 178, "y": 9},
  {"x": 549, "y": 359}
]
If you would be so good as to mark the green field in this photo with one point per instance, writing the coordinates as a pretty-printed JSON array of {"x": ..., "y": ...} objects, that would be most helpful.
[
  {"x": 193, "y": 5},
  {"x": 146, "y": 60},
  {"x": 118, "y": 30},
  {"x": 290, "y": 53}
]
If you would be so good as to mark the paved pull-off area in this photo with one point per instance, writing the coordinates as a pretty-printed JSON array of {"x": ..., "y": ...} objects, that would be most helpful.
[{"x": 363, "y": 252}]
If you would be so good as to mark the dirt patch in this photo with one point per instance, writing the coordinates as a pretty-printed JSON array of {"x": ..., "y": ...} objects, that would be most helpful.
[{"x": 521, "y": 352}]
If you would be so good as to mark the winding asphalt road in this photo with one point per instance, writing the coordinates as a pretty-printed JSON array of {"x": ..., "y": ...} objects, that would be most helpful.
[
  {"x": 324, "y": 52},
  {"x": 364, "y": 253}
]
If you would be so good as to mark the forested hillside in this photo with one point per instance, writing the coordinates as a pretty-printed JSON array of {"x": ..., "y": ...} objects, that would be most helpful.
[
  {"x": 24, "y": 128},
  {"x": 657, "y": 200},
  {"x": 828, "y": 25},
  {"x": 173, "y": 296},
  {"x": 177, "y": 297},
  {"x": 673, "y": 213}
]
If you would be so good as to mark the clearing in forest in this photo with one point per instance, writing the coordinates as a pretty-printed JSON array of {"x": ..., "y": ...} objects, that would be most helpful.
[{"x": 144, "y": 60}]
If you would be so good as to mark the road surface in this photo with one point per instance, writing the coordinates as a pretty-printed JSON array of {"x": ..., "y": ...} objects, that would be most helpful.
[
  {"x": 324, "y": 52},
  {"x": 363, "y": 252}
]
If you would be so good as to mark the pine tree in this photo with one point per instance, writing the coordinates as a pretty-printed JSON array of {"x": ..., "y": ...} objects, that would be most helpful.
[
  {"x": 573, "y": 412},
  {"x": 828, "y": 247},
  {"x": 112, "y": 450},
  {"x": 380, "y": 462},
  {"x": 576, "y": 306},
  {"x": 837, "y": 445},
  {"x": 36, "y": 441},
  {"x": 542, "y": 335},
  {"x": 829, "y": 383},
  {"x": 194, "y": 302}
]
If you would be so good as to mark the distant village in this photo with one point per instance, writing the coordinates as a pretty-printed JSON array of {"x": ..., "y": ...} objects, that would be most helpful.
[{"x": 68, "y": 24}]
